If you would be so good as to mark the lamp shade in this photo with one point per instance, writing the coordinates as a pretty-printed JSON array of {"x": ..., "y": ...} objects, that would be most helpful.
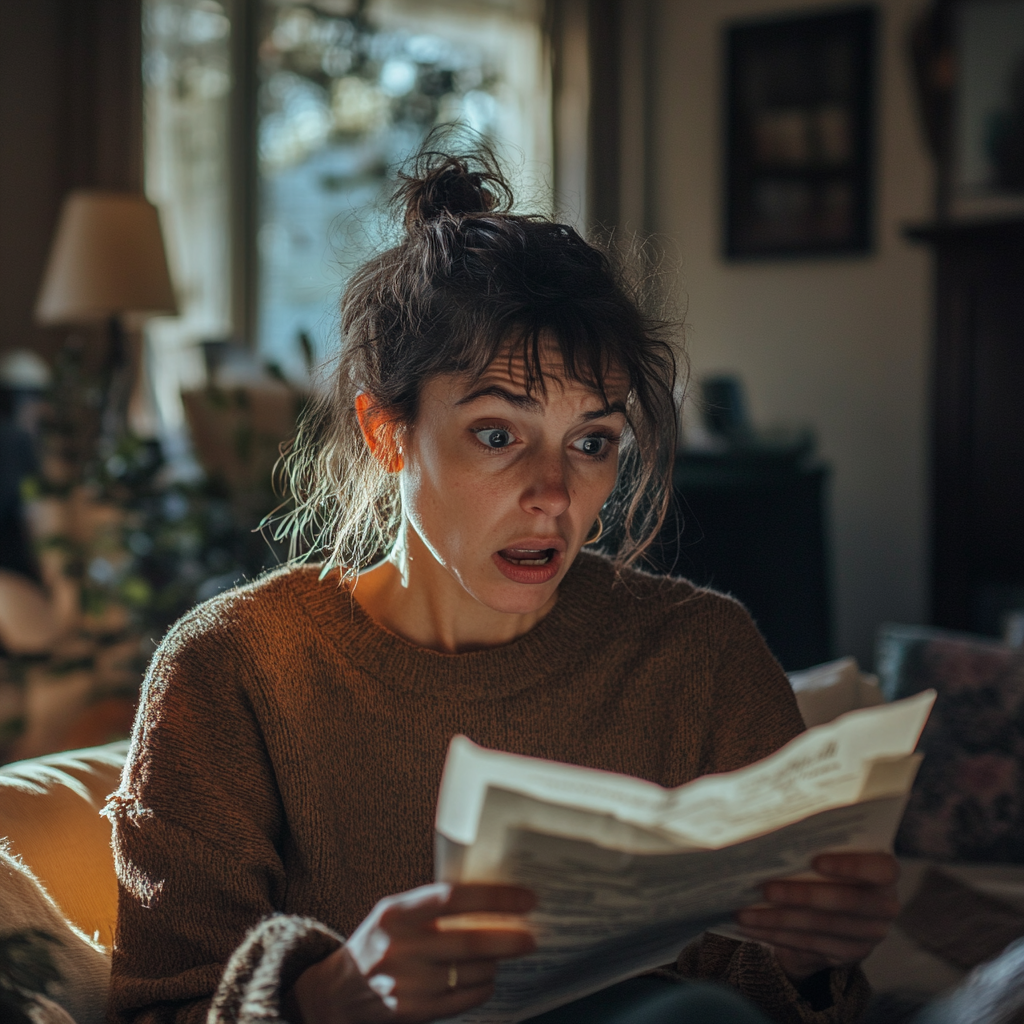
[{"x": 107, "y": 258}]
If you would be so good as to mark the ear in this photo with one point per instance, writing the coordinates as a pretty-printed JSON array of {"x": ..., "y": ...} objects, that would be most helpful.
[{"x": 379, "y": 433}]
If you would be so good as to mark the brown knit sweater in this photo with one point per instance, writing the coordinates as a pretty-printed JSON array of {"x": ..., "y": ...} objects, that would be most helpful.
[{"x": 288, "y": 754}]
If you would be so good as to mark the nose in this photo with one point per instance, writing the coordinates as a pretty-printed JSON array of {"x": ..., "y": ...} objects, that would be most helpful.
[{"x": 546, "y": 490}]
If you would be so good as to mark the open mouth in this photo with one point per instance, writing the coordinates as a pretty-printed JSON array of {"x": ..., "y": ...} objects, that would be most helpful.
[{"x": 527, "y": 556}]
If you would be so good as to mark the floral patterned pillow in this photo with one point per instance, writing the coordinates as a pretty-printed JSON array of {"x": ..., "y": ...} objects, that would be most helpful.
[{"x": 968, "y": 800}]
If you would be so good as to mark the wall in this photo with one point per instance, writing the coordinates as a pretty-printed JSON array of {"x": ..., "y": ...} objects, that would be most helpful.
[
  {"x": 30, "y": 149},
  {"x": 841, "y": 344},
  {"x": 70, "y": 115}
]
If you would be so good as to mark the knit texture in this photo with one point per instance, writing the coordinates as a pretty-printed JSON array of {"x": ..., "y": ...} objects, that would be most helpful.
[
  {"x": 266, "y": 965},
  {"x": 288, "y": 753}
]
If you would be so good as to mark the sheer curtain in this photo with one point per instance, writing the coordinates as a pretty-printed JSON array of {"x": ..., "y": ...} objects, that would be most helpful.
[{"x": 187, "y": 79}]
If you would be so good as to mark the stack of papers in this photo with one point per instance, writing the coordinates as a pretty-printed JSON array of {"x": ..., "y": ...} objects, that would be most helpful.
[{"x": 627, "y": 872}]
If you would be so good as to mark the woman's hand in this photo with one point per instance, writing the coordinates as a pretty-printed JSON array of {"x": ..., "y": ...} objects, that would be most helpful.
[
  {"x": 400, "y": 964},
  {"x": 818, "y": 924}
]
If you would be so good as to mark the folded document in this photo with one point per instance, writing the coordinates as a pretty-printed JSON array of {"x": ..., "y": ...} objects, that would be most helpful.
[{"x": 627, "y": 872}]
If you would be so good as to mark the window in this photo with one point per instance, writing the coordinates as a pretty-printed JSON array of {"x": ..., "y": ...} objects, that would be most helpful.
[
  {"x": 344, "y": 99},
  {"x": 346, "y": 90}
]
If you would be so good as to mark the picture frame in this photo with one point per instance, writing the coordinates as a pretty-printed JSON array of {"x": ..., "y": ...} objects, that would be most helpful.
[
  {"x": 987, "y": 136},
  {"x": 799, "y": 146}
]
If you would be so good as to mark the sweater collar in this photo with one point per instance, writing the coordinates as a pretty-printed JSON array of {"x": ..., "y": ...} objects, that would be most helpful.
[{"x": 553, "y": 650}]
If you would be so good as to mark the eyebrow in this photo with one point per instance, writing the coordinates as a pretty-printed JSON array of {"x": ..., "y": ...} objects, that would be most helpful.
[
  {"x": 524, "y": 401},
  {"x": 608, "y": 410},
  {"x": 518, "y": 399}
]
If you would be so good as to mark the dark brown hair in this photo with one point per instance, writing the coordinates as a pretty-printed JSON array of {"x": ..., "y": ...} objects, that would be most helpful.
[{"x": 470, "y": 282}]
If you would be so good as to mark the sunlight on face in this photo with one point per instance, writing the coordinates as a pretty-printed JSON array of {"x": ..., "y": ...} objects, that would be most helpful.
[{"x": 502, "y": 488}]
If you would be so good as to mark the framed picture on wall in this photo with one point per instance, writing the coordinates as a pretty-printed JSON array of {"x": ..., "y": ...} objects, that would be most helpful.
[
  {"x": 988, "y": 108},
  {"x": 799, "y": 135}
]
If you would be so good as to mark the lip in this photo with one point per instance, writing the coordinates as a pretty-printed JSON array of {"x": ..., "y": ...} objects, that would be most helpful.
[{"x": 532, "y": 573}]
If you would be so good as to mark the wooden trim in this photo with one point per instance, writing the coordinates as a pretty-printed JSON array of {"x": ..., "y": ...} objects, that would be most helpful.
[
  {"x": 636, "y": 89},
  {"x": 244, "y": 170},
  {"x": 966, "y": 231},
  {"x": 604, "y": 34},
  {"x": 567, "y": 29},
  {"x": 602, "y": 89}
]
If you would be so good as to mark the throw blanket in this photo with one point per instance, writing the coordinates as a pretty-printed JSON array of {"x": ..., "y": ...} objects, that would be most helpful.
[{"x": 84, "y": 966}]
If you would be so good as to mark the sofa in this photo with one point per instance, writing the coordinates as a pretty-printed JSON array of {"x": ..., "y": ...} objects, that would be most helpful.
[
  {"x": 50, "y": 813},
  {"x": 57, "y": 871}
]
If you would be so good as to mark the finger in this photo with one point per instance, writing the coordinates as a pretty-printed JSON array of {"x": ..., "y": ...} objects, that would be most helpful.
[
  {"x": 408, "y": 911},
  {"x": 833, "y": 949},
  {"x": 408, "y": 1002},
  {"x": 436, "y": 947},
  {"x": 869, "y": 868},
  {"x": 861, "y": 900},
  {"x": 412, "y": 910},
  {"x": 420, "y": 981},
  {"x": 482, "y": 921},
  {"x": 467, "y": 974},
  {"x": 451, "y": 1004},
  {"x": 490, "y": 897},
  {"x": 867, "y": 929}
]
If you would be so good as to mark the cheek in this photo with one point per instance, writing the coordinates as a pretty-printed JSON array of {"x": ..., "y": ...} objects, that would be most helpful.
[
  {"x": 447, "y": 496},
  {"x": 607, "y": 476},
  {"x": 469, "y": 502},
  {"x": 593, "y": 484}
]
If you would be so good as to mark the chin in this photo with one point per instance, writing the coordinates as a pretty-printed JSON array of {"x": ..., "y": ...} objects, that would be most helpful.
[{"x": 515, "y": 598}]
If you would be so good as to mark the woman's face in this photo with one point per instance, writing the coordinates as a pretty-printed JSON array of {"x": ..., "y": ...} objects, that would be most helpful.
[{"x": 502, "y": 488}]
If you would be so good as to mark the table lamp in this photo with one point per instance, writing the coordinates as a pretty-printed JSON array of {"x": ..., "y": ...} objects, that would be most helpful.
[{"x": 107, "y": 262}]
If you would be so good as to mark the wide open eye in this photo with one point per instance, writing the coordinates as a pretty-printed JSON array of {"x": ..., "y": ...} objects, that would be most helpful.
[
  {"x": 494, "y": 437},
  {"x": 593, "y": 444}
]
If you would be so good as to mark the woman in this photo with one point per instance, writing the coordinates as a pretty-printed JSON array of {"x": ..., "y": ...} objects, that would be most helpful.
[{"x": 498, "y": 392}]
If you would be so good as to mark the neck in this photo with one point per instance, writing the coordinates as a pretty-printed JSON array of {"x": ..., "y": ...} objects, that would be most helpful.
[{"x": 414, "y": 596}]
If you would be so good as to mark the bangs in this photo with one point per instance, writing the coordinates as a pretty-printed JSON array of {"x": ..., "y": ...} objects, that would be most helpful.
[
  {"x": 565, "y": 343},
  {"x": 535, "y": 352}
]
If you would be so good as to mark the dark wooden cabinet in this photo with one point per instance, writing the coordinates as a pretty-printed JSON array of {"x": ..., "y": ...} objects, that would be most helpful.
[
  {"x": 753, "y": 525},
  {"x": 977, "y": 419}
]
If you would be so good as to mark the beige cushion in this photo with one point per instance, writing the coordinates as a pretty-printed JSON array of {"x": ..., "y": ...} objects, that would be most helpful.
[
  {"x": 49, "y": 811},
  {"x": 825, "y": 692}
]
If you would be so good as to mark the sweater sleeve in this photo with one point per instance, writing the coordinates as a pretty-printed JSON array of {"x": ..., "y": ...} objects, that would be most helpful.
[
  {"x": 197, "y": 829},
  {"x": 753, "y": 713},
  {"x": 752, "y": 710},
  {"x": 266, "y": 965}
]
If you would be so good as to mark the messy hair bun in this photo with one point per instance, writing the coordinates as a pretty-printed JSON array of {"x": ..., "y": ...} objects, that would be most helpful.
[
  {"x": 469, "y": 282},
  {"x": 438, "y": 184}
]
